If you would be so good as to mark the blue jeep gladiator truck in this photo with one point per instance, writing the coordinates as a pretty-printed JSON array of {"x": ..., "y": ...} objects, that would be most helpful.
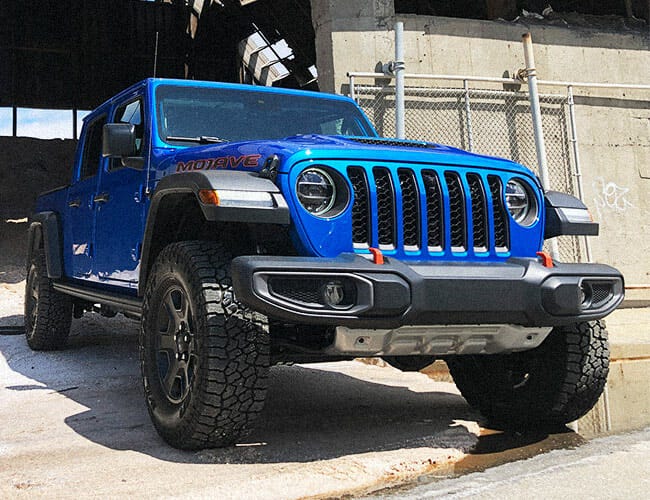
[{"x": 246, "y": 226}]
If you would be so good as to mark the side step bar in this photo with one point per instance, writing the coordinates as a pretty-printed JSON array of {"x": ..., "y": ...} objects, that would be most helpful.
[{"x": 121, "y": 303}]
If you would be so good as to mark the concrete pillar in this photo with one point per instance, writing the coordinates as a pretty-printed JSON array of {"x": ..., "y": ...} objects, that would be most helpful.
[{"x": 330, "y": 16}]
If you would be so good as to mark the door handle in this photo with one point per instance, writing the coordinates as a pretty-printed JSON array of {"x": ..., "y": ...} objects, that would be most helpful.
[
  {"x": 76, "y": 203},
  {"x": 101, "y": 198}
]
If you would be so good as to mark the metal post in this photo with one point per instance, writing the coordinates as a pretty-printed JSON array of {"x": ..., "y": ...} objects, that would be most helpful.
[
  {"x": 536, "y": 113},
  {"x": 576, "y": 158},
  {"x": 352, "y": 93},
  {"x": 398, "y": 68},
  {"x": 468, "y": 117},
  {"x": 535, "y": 110},
  {"x": 608, "y": 413},
  {"x": 74, "y": 124},
  {"x": 14, "y": 121}
]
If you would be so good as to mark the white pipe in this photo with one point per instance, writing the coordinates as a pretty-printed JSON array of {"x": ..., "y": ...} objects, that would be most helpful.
[
  {"x": 629, "y": 86},
  {"x": 468, "y": 117},
  {"x": 535, "y": 110},
  {"x": 576, "y": 157},
  {"x": 608, "y": 414},
  {"x": 418, "y": 76},
  {"x": 398, "y": 68},
  {"x": 556, "y": 83},
  {"x": 441, "y": 91},
  {"x": 536, "y": 114}
]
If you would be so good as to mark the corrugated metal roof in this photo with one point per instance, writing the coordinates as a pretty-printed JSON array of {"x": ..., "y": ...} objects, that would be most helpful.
[{"x": 77, "y": 53}]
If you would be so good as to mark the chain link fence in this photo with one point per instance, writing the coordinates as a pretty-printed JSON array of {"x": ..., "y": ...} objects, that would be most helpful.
[{"x": 485, "y": 121}]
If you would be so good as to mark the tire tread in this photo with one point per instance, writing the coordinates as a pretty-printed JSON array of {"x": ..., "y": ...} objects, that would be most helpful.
[
  {"x": 54, "y": 314},
  {"x": 234, "y": 351},
  {"x": 567, "y": 372}
]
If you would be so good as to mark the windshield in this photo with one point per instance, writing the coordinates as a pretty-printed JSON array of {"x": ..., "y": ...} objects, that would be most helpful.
[{"x": 203, "y": 115}]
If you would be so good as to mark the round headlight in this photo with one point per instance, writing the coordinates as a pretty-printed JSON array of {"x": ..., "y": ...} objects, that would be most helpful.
[
  {"x": 316, "y": 191},
  {"x": 521, "y": 202}
]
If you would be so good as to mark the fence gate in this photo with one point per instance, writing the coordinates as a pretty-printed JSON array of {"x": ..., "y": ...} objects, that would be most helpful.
[{"x": 484, "y": 121}]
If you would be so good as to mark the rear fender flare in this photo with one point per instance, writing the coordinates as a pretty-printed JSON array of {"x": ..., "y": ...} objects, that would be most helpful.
[{"x": 45, "y": 231}]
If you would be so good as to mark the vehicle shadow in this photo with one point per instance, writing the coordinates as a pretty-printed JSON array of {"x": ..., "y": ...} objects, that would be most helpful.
[{"x": 311, "y": 413}]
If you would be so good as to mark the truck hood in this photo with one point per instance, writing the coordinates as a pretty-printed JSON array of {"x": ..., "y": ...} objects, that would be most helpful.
[{"x": 251, "y": 155}]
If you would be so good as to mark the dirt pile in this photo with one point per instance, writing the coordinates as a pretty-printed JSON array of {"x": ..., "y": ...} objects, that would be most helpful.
[{"x": 28, "y": 167}]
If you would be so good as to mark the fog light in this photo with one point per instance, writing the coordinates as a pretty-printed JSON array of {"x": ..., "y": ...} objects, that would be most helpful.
[{"x": 333, "y": 293}]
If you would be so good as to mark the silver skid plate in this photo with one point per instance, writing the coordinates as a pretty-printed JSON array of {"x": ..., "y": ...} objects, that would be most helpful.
[{"x": 437, "y": 340}]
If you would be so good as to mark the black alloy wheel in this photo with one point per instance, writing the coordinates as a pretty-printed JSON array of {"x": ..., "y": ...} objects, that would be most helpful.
[
  {"x": 176, "y": 351},
  {"x": 204, "y": 356}
]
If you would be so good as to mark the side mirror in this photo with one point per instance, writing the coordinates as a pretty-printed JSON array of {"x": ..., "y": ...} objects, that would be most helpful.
[{"x": 118, "y": 141}]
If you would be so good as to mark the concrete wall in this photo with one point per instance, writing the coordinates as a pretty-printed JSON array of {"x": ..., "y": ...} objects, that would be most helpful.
[{"x": 613, "y": 125}]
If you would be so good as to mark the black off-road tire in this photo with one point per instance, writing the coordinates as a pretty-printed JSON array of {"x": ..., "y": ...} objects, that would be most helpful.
[
  {"x": 554, "y": 384},
  {"x": 206, "y": 386},
  {"x": 48, "y": 313}
]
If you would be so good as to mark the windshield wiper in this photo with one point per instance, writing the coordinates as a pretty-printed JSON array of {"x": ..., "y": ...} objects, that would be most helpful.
[{"x": 203, "y": 139}]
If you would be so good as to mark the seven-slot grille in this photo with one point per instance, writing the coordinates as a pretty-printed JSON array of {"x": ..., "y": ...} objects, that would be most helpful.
[{"x": 437, "y": 210}]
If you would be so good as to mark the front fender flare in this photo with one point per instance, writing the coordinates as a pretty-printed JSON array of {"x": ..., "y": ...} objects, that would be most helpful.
[
  {"x": 566, "y": 215},
  {"x": 233, "y": 181},
  {"x": 192, "y": 183}
]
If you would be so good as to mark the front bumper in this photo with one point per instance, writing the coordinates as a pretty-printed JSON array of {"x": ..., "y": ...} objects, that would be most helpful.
[{"x": 350, "y": 291}]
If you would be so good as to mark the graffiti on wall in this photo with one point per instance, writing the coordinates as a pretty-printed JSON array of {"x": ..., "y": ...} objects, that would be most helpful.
[{"x": 610, "y": 197}]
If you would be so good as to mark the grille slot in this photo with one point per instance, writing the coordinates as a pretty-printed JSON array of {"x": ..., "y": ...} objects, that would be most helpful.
[
  {"x": 360, "y": 207},
  {"x": 385, "y": 207},
  {"x": 410, "y": 208},
  {"x": 479, "y": 213},
  {"x": 457, "y": 215},
  {"x": 435, "y": 220},
  {"x": 499, "y": 216}
]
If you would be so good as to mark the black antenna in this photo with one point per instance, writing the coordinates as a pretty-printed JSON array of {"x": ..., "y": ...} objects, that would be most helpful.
[
  {"x": 155, "y": 56},
  {"x": 155, "y": 62}
]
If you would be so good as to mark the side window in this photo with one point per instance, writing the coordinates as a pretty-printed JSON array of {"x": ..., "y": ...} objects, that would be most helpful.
[
  {"x": 130, "y": 113},
  {"x": 92, "y": 153}
]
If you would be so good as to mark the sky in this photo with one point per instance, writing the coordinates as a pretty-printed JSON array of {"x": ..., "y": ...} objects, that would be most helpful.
[{"x": 41, "y": 123}]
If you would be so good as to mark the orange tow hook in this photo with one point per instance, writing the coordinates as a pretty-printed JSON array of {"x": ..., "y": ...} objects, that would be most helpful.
[
  {"x": 377, "y": 256},
  {"x": 547, "y": 261}
]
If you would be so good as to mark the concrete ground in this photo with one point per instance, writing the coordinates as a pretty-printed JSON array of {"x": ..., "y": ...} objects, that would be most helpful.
[
  {"x": 609, "y": 467},
  {"x": 74, "y": 422}
]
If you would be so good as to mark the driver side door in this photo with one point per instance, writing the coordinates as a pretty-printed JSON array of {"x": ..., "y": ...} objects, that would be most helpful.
[{"x": 120, "y": 212}]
